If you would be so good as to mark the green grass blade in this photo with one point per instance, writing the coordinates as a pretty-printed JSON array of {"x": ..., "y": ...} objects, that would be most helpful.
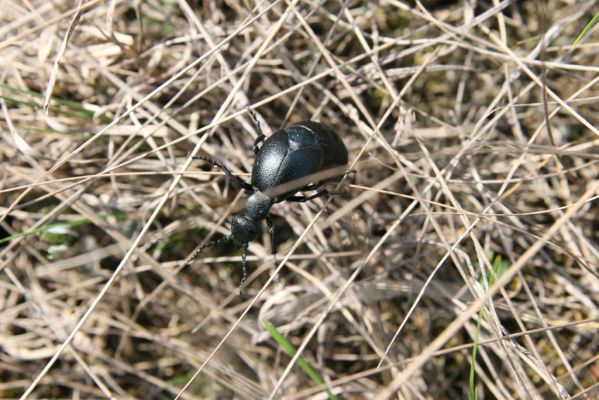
[
  {"x": 74, "y": 109},
  {"x": 289, "y": 349},
  {"x": 586, "y": 29},
  {"x": 45, "y": 228},
  {"x": 472, "y": 395},
  {"x": 499, "y": 267}
]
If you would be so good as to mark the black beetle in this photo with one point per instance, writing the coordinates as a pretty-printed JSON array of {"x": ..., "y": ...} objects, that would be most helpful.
[{"x": 287, "y": 156}]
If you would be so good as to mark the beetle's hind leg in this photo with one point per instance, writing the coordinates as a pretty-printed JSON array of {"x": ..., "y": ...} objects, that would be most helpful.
[
  {"x": 259, "y": 140},
  {"x": 351, "y": 175},
  {"x": 315, "y": 186},
  {"x": 324, "y": 192},
  {"x": 312, "y": 186},
  {"x": 261, "y": 135},
  {"x": 237, "y": 180}
]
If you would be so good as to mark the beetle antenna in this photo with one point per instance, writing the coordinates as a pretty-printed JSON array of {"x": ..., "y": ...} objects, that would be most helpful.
[
  {"x": 244, "y": 265},
  {"x": 216, "y": 242}
]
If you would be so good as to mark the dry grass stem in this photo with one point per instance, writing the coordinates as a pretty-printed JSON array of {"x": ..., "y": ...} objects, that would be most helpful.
[{"x": 462, "y": 260}]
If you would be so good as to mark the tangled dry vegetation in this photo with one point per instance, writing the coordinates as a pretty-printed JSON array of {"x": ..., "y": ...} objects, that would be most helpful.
[{"x": 462, "y": 263}]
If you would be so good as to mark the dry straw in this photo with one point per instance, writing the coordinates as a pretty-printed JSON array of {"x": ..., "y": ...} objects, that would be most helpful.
[{"x": 462, "y": 263}]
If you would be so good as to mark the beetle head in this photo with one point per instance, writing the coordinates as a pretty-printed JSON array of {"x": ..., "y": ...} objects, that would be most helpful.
[{"x": 244, "y": 230}]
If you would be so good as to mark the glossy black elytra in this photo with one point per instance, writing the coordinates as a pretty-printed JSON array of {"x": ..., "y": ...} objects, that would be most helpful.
[{"x": 288, "y": 155}]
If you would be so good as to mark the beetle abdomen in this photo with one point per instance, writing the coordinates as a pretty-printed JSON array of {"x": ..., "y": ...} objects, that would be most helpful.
[
  {"x": 294, "y": 153},
  {"x": 333, "y": 149},
  {"x": 287, "y": 155}
]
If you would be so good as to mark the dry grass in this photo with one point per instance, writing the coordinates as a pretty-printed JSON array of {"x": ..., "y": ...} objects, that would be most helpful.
[{"x": 470, "y": 224}]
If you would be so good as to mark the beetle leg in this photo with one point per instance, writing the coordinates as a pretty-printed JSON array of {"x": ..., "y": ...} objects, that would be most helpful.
[
  {"x": 351, "y": 176},
  {"x": 240, "y": 182},
  {"x": 271, "y": 229},
  {"x": 257, "y": 142},
  {"x": 302, "y": 199},
  {"x": 312, "y": 186},
  {"x": 261, "y": 135}
]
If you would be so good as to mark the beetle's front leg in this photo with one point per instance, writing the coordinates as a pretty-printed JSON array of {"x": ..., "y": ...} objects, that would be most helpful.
[{"x": 240, "y": 182}]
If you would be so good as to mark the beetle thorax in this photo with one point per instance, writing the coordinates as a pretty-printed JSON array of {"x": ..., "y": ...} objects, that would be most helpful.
[
  {"x": 258, "y": 206},
  {"x": 246, "y": 228}
]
